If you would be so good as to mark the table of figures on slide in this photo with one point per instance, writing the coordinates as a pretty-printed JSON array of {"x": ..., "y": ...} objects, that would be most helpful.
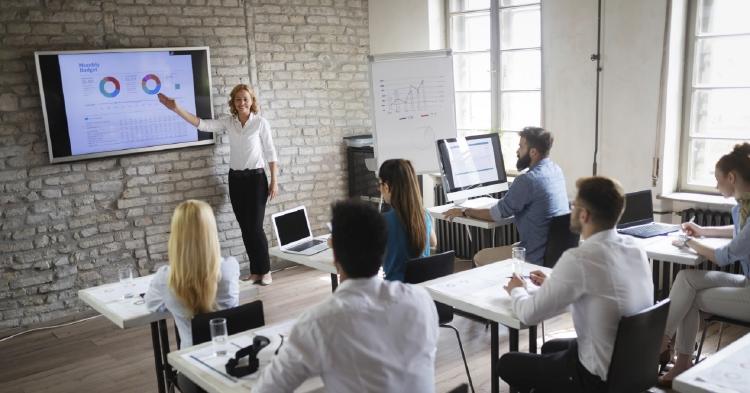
[{"x": 112, "y": 104}]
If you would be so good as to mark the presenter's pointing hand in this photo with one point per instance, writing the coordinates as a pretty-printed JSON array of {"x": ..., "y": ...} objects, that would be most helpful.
[{"x": 166, "y": 101}]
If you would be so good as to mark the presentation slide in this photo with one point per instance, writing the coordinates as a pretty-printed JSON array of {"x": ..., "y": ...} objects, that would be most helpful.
[
  {"x": 472, "y": 162},
  {"x": 111, "y": 103}
]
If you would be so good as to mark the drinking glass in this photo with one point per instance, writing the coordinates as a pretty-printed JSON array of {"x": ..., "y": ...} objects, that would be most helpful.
[
  {"x": 126, "y": 281},
  {"x": 519, "y": 256},
  {"x": 219, "y": 335}
]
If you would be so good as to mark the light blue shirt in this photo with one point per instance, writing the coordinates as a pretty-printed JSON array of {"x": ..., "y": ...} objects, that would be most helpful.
[
  {"x": 397, "y": 248},
  {"x": 533, "y": 199},
  {"x": 160, "y": 297},
  {"x": 739, "y": 248}
]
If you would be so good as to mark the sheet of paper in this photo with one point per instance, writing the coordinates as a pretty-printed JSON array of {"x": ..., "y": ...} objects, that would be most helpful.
[{"x": 732, "y": 373}]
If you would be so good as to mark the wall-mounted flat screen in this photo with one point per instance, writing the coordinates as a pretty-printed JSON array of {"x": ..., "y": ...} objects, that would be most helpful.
[{"x": 101, "y": 103}]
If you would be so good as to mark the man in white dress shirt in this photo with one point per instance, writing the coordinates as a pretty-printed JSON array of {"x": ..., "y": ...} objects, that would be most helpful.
[
  {"x": 603, "y": 279},
  {"x": 371, "y": 335}
]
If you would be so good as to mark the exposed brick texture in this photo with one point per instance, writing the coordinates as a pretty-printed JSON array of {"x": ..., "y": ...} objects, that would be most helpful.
[{"x": 69, "y": 226}]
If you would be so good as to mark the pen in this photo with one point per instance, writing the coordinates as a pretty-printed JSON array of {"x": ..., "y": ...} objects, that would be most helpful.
[{"x": 529, "y": 277}]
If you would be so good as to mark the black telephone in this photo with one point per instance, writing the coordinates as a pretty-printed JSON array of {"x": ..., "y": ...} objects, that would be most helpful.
[{"x": 234, "y": 369}]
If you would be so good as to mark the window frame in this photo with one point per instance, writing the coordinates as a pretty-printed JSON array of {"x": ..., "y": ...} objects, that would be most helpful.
[
  {"x": 496, "y": 90},
  {"x": 688, "y": 90}
]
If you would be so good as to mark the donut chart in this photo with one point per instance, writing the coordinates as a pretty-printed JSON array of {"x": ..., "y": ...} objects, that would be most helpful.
[
  {"x": 103, "y": 84},
  {"x": 144, "y": 84}
]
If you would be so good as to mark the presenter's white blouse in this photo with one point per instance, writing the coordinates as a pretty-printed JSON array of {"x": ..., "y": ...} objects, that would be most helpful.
[
  {"x": 249, "y": 145},
  {"x": 605, "y": 278},
  {"x": 160, "y": 297},
  {"x": 370, "y": 336}
]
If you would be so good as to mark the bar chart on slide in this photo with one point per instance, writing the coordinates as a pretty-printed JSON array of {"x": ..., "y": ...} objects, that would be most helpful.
[{"x": 406, "y": 98}]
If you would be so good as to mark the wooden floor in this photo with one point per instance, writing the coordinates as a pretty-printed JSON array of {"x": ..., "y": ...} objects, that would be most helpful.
[{"x": 96, "y": 355}]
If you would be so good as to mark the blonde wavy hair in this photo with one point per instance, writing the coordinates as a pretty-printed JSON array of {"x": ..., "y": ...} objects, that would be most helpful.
[
  {"x": 194, "y": 256},
  {"x": 254, "y": 108}
]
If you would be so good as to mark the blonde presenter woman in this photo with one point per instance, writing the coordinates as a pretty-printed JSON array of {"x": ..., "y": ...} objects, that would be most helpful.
[{"x": 251, "y": 144}]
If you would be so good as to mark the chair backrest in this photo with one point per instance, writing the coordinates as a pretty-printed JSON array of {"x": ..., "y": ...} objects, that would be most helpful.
[
  {"x": 462, "y": 388},
  {"x": 633, "y": 367},
  {"x": 559, "y": 239},
  {"x": 429, "y": 268},
  {"x": 245, "y": 317}
]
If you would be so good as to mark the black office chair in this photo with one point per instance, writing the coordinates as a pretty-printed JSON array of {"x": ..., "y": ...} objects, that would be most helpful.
[
  {"x": 462, "y": 388},
  {"x": 239, "y": 319},
  {"x": 429, "y": 268},
  {"x": 636, "y": 351},
  {"x": 559, "y": 239},
  {"x": 717, "y": 318}
]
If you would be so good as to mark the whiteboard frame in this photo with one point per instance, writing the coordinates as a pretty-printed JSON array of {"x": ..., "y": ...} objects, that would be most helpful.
[{"x": 403, "y": 56}]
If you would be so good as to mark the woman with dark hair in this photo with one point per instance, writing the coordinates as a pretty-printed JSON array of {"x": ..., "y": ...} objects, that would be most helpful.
[
  {"x": 410, "y": 233},
  {"x": 250, "y": 144},
  {"x": 711, "y": 291}
]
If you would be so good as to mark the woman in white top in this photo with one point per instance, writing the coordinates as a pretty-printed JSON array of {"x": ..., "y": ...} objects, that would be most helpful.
[
  {"x": 711, "y": 291},
  {"x": 197, "y": 280},
  {"x": 250, "y": 143}
]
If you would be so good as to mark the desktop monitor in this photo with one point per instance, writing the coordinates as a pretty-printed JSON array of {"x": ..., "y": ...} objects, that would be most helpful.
[{"x": 471, "y": 166}]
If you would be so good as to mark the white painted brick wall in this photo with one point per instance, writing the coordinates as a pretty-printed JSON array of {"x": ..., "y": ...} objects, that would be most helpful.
[{"x": 70, "y": 226}]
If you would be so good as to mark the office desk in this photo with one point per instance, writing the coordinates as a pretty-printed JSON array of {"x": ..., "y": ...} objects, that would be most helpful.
[
  {"x": 726, "y": 371},
  {"x": 480, "y": 292},
  {"x": 206, "y": 370},
  {"x": 322, "y": 261},
  {"x": 661, "y": 249},
  {"x": 129, "y": 313},
  {"x": 438, "y": 212}
]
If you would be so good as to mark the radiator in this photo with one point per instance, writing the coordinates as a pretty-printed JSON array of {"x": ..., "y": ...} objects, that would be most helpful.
[
  {"x": 456, "y": 236},
  {"x": 668, "y": 271}
]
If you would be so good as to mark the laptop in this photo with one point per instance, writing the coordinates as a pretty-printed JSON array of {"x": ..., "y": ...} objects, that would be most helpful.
[
  {"x": 292, "y": 229},
  {"x": 638, "y": 218}
]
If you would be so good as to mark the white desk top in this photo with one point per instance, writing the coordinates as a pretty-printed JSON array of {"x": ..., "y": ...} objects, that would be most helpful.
[
  {"x": 480, "y": 291},
  {"x": 205, "y": 369},
  {"x": 437, "y": 212},
  {"x": 127, "y": 313},
  {"x": 661, "y": 248},
  {"x": 322, "y": 261},
  {"x": 726, "y": 371}
]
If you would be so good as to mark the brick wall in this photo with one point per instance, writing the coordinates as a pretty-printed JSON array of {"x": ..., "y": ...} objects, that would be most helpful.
[{"x": 69, "y": 226}]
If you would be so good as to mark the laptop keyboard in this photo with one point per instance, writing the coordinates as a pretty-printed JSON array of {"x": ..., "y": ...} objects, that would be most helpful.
[
  {"x": 304, "y": 246},
  {"x": 650, "y": 230}
]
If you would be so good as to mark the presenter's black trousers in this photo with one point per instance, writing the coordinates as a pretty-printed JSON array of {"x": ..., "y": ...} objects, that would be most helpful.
[
  {"x": 248, "y": 192},
  {"x": 557, "y": 369}
]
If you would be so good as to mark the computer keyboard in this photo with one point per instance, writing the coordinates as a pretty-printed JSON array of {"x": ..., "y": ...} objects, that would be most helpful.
[
  {"x": 305, "y": 245},
  {"x": 650, "y": 230}
]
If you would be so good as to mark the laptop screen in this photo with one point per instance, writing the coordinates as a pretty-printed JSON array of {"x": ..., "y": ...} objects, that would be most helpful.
[
  {"x": 639, "y": 209},
  {"x": 292, "y": 226}
]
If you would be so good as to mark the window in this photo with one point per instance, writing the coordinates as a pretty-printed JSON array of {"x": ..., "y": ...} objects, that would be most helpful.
[
  {"x": 717, "y": 88},
  {"x": 487, "y": 36}
]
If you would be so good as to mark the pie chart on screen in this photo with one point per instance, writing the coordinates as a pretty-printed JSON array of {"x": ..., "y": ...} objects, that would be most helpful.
[
  {"x": 151, "y": 84},
  {"x": 109, "y": 86}
]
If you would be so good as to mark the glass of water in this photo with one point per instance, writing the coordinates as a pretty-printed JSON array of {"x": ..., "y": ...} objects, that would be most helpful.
[
  {"x": 126, "y": 281},
  {"x": 219, "y": 336},
  {"x": 519, "y": 256}
]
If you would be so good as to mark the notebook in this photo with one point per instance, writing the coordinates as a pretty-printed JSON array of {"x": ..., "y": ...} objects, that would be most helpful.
[
  {"x": 292, "y": 229},
  {"x": 638, "y": 218}
]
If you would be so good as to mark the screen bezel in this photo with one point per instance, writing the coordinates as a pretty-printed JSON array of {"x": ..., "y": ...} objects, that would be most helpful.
[
  {"x": 210, "y": 138},
  {"x": 444, "y": 160}
]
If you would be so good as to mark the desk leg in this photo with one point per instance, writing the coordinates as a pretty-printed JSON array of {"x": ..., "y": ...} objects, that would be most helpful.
[
  {"x": 513, "y": 346},
  {"x": 655, "y": 277},
  {"x": 532, "y": 339},
  {"x": 334, "y": 282},
  {"x": 494, "y": 358},
  {"x": 158, "y": 364},
  {"x": 169, "y": 377}
]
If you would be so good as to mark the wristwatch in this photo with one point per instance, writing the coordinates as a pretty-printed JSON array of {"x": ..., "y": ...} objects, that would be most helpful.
[{"x": 463, "y": 213}]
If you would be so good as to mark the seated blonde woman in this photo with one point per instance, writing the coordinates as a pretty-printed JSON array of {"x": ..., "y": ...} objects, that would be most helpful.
[{"x": 197, "y": 280}]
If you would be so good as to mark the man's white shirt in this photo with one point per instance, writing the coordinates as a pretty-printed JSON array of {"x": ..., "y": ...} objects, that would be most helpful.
[
  {"x": 606, "y": 277},
  {"x": 371, "y": 335}
]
